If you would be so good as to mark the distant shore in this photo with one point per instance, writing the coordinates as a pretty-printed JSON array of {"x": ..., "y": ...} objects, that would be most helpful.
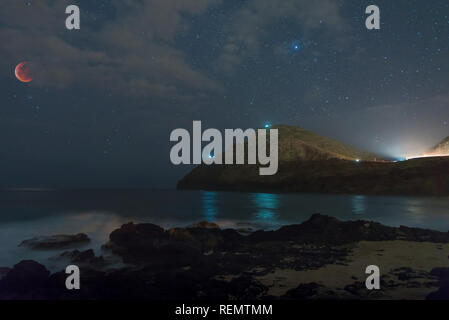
[{"x": 415, "y": 177}]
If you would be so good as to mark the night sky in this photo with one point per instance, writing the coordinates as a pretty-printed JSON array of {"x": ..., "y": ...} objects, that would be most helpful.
[{"x": 105, "y": 98}]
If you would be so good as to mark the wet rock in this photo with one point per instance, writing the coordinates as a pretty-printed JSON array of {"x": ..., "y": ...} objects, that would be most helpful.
[
  {"x": 148, "y": 243},
  {"x": 355, "y": 288},
  {"x": 245, "y": 288},
  {"x": 321, "y": 229},
  {"x": 303, "y": 291},
  {"x": 206, "y": 225},
  {"x": 56, "y": 241},
  {"x": 206, "y": 262},
  {"x": 144, "y": 234},
  {"x": 145, "y": 242},
  {"x": 309, "y": 245},
  {"x": 408, "y": 274},
  {"x": 87, "y": 257}
]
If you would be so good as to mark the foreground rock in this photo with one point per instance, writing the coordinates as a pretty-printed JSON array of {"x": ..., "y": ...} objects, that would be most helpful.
[
  {"x": 28, "y": 280},
  {"x": 56, "y": 241},
  {"x": 443, "y": 292},
  {"x": 320, "y": 258},
  {"x": 140, "y": 242},
  {"x": 85, "y": 257}
]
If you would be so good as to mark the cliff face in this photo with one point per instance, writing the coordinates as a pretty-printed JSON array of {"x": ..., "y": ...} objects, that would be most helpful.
[{"x": 423, "y": 176}]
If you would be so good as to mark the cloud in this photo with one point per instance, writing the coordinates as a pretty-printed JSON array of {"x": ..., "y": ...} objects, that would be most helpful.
[
  {"x": 253, "y": 21},
  {"x": 133, "y": 52}
]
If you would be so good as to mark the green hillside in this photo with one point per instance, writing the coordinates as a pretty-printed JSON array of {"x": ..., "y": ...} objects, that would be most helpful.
[{"x": 296, "y": 143}]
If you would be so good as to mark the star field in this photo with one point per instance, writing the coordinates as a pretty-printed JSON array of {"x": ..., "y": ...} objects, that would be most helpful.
[{"x": 107, "y": 95}]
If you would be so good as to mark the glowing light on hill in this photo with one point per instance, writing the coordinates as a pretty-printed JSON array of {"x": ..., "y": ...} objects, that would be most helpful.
[{"x": 430, "y": 155}]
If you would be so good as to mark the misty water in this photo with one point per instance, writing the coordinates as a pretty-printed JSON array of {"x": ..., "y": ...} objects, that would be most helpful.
[{"x": 26, "y": 214}]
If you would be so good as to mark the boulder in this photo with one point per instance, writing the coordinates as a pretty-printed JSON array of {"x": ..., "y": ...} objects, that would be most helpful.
[
  {"x": 325, "y": 230},
  {"x": 25, "y": 277},
  {"x": 205, "y": 225},
  {"x": 87, "y": 256},
  {"x": 56, "y": 241},
  {"x": 148, "y": 243}
]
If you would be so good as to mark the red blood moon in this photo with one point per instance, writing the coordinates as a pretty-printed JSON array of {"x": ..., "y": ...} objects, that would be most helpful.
[{"x": 23, "y": 72}]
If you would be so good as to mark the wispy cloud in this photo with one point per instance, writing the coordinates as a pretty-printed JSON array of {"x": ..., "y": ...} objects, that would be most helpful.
[
  {"x": 255, "y": 18},
  {"x": 133, "y": 52}
]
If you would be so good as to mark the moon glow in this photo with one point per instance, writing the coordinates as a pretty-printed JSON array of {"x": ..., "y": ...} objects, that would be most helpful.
[{"x": 23, "y": 72}]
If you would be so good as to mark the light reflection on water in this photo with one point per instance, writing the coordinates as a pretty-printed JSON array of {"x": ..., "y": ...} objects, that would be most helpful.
[
  {"x": 267, "y": 206},
  {"x": 358, "y": 204},
  {"x": 24, "y": 215},
  {"x": 210, "y": 205}
]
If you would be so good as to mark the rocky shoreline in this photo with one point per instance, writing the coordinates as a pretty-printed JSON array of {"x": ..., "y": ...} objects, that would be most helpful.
[{"x": 322, "y": 258}]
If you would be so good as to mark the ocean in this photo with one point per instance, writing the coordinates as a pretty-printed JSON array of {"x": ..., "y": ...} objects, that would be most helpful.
[{"x": 30, "y": 213}]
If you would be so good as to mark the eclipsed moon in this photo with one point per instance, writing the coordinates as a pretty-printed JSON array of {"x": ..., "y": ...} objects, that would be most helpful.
[{"x": 23, "y": 72}]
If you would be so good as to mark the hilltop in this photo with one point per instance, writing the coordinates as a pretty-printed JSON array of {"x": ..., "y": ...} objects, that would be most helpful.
[
  {"x": 296, "y": 143},
  {"x": 309, "y": 162}
]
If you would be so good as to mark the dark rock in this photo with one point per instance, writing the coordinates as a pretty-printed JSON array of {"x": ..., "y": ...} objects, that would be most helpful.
[
  {"x": 245, "y": 288},
  {"x": 25, "y": 278},
  {"x": 181, "y": 247},
  {"x": 87, "y": 256},
  {"x": 191, "y": 263},
  {"x": 441, "y": 294},
  {"x": 144, "y": 233},
  {"x": 442, "y": 273},
  {"x": 141, "y": 243},
  {"x": 355, "y": 288},
  {"x": 56, "y": 241},
  {"x": 408, "y": 274},
  {"x": 303, "y": 291},
  {"x": 206, "y": 225},
  {"x": 321, "y": 229}
]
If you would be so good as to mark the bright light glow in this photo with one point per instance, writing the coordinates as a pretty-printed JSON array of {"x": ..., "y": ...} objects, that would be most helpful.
[
  {"x": 267, "y": 125},
  {"x": 357, "y": 160},
  {"x": 430, "y": 155}
]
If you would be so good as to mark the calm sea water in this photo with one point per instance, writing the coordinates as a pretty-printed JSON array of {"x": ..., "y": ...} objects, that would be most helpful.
[{"x": 24, "y": 215}]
